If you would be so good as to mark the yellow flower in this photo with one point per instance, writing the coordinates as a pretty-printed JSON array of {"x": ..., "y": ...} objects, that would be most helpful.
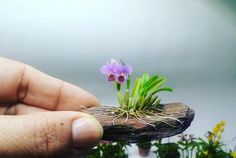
[
  {"x": 216, "y": 142},
  {"x": 219, "y": 136},
  {"x": 222, "y": 130},
  {"x": 210, "y": 138},
  {"x": 215, "y": 130},
  {"x": 233, "y": 154},
  {"x": 216, "y": 133},
  {"x": 222, "y": 123}
]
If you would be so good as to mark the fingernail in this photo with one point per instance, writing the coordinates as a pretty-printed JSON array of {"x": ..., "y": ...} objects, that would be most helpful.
[{"x": 86, "y": 132}]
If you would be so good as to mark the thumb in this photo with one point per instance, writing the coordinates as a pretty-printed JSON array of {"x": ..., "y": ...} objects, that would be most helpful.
[{"x": 46, "y": 134}]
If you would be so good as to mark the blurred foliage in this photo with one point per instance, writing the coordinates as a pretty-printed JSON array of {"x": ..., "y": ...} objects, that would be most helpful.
[
  {"x": 109, "y": 150},
  {"x": 144, "y": 145},
  {"x": 229, "y": 4},
  {"x": 187, "y": 146},
  {"x": 166, "y": 150}
]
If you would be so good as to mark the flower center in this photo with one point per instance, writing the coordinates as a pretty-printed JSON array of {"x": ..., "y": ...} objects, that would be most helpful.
[
  {"x": 111, "y": 77},
  {"x": 121, "y": 79}
]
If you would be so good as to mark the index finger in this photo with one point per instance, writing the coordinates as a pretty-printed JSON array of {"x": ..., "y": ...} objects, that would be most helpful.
[{"x": 22, "y": 83}]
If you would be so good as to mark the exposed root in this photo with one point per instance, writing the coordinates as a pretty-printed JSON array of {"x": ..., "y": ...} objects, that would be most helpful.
[
  {"x": 119, "y": 116},
  {"x": 145, "y": 122},
  {"x": 142, "y": 116},
  {"x": 127, "y": 117}
]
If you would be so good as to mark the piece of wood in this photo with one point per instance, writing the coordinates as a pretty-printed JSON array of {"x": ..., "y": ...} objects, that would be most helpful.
[{"x": 135, "y": 130}]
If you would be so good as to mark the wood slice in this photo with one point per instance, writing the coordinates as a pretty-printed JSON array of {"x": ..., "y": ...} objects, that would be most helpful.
[{"x": 151, "y": 127}]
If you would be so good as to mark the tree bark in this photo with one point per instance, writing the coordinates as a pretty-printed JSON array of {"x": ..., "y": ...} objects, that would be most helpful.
[{"x": 172, "y": 119}]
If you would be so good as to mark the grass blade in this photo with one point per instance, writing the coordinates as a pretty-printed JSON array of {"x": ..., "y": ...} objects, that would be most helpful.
[
  {"x": 168, "y": 89},
  {"x": 146, "y": 85},
  {"x": 144, "y": 78},
  {"x": 136, "y": 87},
  {"x": 161, "y": 81}
]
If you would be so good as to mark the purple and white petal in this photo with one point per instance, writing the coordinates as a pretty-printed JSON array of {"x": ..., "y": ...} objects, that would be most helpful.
[
  {"x": 119, "y": 70},
  {"x": 105, "y": 69},
  {"x": 113, "y": 68},
  {"x": 127, "y": 70},
  {"x": 116, "y": 71},
  {"x": 113, "y": 61}
]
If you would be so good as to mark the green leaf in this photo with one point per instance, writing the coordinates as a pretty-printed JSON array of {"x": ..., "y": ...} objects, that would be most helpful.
[
  {"x": 120, "y": 99},
  {"x": 157, "y": 103},
  {"x": 136, "y": 103},
  {"x": 148, "y": 99},
  {"x": 145, "y": 84},
  {"x": 128, "y": 83},
  {"x": 146, "y": 89},
  {"x": 145, "y": 78},
  {"x": 142, "y": 102},
  {"x": 161, "y": 81},
  {"x": 136, "y": 87},
  {"x": 126, "y": 98},
  {"x": 130, "y": 103},
  {"x": 145, "y": 102},
  {"x": 169, "y": 89},
  {"x": 181, "y": 143},
  {"x": 154, "y": 98},
  {"x": 148, "y": 84}
]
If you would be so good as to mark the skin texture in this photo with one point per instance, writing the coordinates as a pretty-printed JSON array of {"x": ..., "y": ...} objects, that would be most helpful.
[{"x": 39, "y": 114}]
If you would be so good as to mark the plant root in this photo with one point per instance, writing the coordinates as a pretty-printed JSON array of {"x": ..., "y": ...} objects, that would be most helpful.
[{"x": 142, "y": 115}]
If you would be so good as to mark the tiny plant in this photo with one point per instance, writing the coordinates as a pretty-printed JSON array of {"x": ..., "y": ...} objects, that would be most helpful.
[
  {"x": 212, "y": 147},
  {"x": 109, "y": 150},
  {"x": 188, "y": 146},
  {"x": 143, "y": 98}
]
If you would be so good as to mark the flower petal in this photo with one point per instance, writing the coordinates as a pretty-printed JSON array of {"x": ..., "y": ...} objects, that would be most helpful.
[
  {"x": 113, "y": 61},
  {"x": 127, "y": 70},
  {"x": 114, "y": 67},
  {"x": 105, "y": 69}
]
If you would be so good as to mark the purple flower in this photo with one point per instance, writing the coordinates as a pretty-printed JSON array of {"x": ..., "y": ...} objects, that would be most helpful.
[
  {"x": 116, "y": 71},
  {"x": 191, "y": 137},
  {"x": 123, "y": 72},
  {"x": 183, "y": 137},
  {"x": 105, "y": 142}
]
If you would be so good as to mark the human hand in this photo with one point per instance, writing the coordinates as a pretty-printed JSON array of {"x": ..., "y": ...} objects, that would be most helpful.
[{"x": 38, "y": 115}]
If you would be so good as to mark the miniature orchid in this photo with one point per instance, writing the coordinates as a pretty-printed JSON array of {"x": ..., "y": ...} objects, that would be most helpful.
[
  {"x": 143, "y": 96},
  {"x": 123, "y": 73},
  {"x": 183, "y": 137},
  {"x": 116, "y": 71}
]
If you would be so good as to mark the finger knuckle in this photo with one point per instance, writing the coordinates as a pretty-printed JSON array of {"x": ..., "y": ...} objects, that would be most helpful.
[{"x": 46, "y": 137}]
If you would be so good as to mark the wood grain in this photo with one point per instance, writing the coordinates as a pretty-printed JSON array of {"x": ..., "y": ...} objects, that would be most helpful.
[{"x": 134, "y": 130}]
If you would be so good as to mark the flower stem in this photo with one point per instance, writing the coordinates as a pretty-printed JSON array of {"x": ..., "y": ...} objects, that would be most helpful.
[
  {"x": 126, "y": 99},
  {"x": 118, "y": 86},
  {"x": 120, "y": 99},
  {"x": 128, "y": 83},
  {"x": 119, "y": 95}
]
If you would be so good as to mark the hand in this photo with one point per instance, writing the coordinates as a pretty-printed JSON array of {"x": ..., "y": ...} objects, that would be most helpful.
[{"x": 38, "y": 115}]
